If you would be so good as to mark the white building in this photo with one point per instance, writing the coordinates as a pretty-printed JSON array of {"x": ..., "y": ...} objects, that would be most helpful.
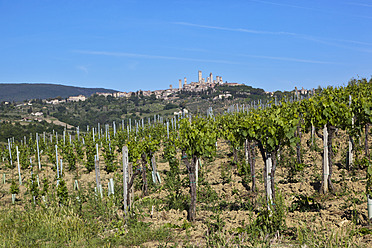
[
  {"x": 37, "y": 114},
  {"x": 76, "y": 98}
]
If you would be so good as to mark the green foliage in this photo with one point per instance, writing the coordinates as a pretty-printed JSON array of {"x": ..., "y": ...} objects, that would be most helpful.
[
  {"x": 175, "y": 199},
  {"x": 137, "y": 232},
  {"x": 308, "y": 235},
  {"x": 109, "y": 157},
  {"x": 330, "y": 107},
  {"x": 62, "y": 192},
  {"x": 289, "y": 161},
  {"x": 361, "y": 105},
  {"x": 70, "y": 156},
  {"x": 120, "y": 140},
  {"x": 269, "y": 222},
  {"x": 24, "y": 157},
  {"x": 170, "y": 106},
  {"x": 90, "y": 151},
  {"x": 244, "y": 171},
  {"x": 33, "y": 187},
  {"x": 305, "y": 203},
  {"x": 52, "y": 227},
  {"x": 361, "y": 163},
  {"x": 46, "y": 186},
  {"x": 207, "y": 195},
  {"x": 228, "y": 126},
  {"x": 18, "y": 131},
  {"x": 51, "y": 153},
  {"x": 215, "y": 228},
  {"x": 25, "y": 91},
  {"x": 14, "y": 187},
  {"x": 198, "y": 138},
  {"x": 10, "y": 157},
  {"x": 79, "y": 149},
  {"x": 226, "y": 173}
]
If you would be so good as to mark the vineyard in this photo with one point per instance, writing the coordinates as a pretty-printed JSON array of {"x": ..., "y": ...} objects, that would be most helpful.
[{"x": 288, "y": 173}]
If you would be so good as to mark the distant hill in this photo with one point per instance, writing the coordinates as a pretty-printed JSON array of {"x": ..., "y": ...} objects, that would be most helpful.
[{"x": 27, "y": 91}]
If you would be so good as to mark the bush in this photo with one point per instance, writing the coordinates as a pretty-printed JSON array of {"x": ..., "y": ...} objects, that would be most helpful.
[{"x": 170, "y": 106}]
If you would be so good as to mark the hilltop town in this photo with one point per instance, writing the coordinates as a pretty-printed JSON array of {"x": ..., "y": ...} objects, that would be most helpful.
[
  {"x": 201, "y": 85},
  {"x": 209, "y": 86}
]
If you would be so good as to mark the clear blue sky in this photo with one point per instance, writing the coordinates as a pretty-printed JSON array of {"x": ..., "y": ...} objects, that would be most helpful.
[{"x": 130, "y": 45}]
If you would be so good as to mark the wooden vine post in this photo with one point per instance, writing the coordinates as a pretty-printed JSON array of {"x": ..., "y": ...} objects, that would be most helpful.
[
  {"x": 38, "y": 152},
  {"x": 250, "y": 159},
  {"x": 98, "y": 176},
  {"x": 325, "y": 160},
  {"x": 19, "y": 168},
  {"x": 125, "y": 178},
  {"x": 56, "y": 147},
  {"x": 144, "y": 175},
  {"x": 130, "y": 195},
  {"x": 191, "y": 168},
  {"x": 155, "y": 173},
  {"x": 10, "y": 154},
  {"x": 312, "y": 135},
  {"x": 350, "y": 154},
  {"x": 268, "y": 183},
  {"x": 369, "y": 191}
]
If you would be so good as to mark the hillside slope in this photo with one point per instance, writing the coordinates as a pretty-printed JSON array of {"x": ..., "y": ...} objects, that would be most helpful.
[{"x": 26, "y": 91}]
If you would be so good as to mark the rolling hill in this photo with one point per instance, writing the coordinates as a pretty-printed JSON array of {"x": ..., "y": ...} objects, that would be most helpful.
[{"x": 26, "y": 91}]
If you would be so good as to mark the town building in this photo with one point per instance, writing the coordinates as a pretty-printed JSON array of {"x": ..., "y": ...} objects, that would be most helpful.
[
  {"x": 76, "y": 98},
  {"x": 200, "y": 85}
]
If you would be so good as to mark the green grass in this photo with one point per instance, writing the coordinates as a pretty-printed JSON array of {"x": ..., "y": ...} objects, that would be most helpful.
[
  {"x": 49, "y": 227},
  {"x": 64, "y": 227}
]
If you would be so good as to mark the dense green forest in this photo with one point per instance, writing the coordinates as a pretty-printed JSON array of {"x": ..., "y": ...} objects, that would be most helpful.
[{"x": 18, "y": 131}]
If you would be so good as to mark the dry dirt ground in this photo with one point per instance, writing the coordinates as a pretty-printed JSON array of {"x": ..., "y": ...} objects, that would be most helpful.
[{"x": 327, "y": 216}]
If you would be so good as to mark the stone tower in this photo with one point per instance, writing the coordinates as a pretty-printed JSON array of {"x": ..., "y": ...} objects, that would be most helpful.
[
  {"x": 199, "y": 76},
  {"x": 211, "y": 77},
  {"x": 184, "y": 81},
  {"x": 180, "y": 84}
]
